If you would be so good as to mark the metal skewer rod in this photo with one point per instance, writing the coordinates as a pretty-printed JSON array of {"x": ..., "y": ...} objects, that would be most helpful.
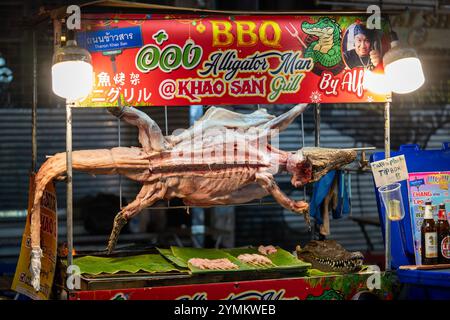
[
  {"x": 250, "y": 204},
  {"x": 355, "y": 149},
  {"x": 360, "y": 149}
]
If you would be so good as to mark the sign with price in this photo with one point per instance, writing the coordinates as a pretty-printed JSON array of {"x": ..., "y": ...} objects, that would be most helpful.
[{"x": 389, "y": 171}]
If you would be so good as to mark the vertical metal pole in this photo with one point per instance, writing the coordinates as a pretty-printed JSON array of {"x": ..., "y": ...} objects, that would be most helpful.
[
  {"x": 119, "y": 103},
  {"x": 120, "y": 177},
  {"x": 166, "y": 121},
  {"x": 303, "y": 131},
  {"x": 260, "y": 200},
  {"x": 57, "y": 26},
  {"x": 167, "y": 133},
  {"x": 303, "y": 145},
  {"x": 34, "y": 108},
  {"x": 387, "y": 153},
  {"x": 315, "y": 232},
  {"x": 317, "y": 125},
  {"x": 69, "y": 207}
]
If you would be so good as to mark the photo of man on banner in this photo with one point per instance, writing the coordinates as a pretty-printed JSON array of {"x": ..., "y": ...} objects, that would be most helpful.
[{"x": 361, "y": 47}]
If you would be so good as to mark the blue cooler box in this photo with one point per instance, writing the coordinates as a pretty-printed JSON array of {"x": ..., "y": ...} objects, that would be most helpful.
[{"x": 418, "y": 284}]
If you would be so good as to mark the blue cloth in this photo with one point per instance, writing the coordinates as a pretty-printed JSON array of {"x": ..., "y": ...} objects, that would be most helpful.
[
  {"x": 322, "y": 188},
  {"x": 344, "y": 198}
]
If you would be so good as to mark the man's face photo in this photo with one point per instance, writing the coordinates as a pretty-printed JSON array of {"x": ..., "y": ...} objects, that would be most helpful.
[{"x": 362, "y": 45}]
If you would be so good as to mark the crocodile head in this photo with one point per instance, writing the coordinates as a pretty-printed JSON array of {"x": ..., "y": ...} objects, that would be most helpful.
[
  {"x": 330, "y": 256},
  {"x": 309, "y": 164},
  {"x": 325, "y": 27}
]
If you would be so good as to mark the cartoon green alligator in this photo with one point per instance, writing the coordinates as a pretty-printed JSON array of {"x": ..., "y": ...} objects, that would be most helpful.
[{"x": 327, "y": 49}]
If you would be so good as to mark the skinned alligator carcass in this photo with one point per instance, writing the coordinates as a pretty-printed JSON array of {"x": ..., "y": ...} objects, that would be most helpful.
[{"x": 225, "y": 158}]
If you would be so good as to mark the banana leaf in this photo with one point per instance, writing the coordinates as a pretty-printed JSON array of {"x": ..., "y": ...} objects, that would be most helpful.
[
  {"x": 281, "y": 259},
  {"x": 185, "y": 254},
  {"x": 167, "y": 253},
  {"x": 152, "y": 263}
]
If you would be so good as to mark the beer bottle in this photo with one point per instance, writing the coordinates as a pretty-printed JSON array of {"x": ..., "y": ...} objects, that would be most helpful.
[
  {"x": 443, "y": 232},
  {"x": 429, "y": 237}
]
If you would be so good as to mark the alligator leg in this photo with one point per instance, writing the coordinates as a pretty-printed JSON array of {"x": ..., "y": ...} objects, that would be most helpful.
[
  {"x": 267, "y": 181},
  {"x": 283, "y": 121},
  {"x": 150, "y": 135},
  {"x": 149, "y": 194},
  {"x": 222, "y": 118}
]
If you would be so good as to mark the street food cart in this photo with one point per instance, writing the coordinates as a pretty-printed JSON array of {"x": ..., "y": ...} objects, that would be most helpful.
[{"x": 155, "y": 56}]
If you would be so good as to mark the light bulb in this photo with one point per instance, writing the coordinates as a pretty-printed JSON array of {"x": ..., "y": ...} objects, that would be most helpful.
[
  {"x": 402, "y": 67},
  {"x": 72, "y": 80},
  {"x": 405, "y": 75},
  {"x": 375, "y": 82},
  {"x": 72, "y": 72}
]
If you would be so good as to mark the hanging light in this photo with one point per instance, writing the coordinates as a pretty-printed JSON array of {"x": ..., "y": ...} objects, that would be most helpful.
[
  {"x": 72, "y": 72},
  {"x": 375, "y": 81},
  {"x": 402, "y": 67}
]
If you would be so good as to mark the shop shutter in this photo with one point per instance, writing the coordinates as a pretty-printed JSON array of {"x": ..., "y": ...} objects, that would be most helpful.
[{"x": 92, "y": 129}]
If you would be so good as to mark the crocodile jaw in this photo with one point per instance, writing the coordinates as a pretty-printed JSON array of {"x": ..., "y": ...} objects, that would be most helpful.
[
  {"x": 333, "y": 265},
  {"x": 329, "y": 256}
]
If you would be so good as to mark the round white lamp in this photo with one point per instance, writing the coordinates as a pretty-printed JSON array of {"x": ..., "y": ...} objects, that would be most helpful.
[
  {"x": 402, "y": 67},
  {"x": 375, "y": 82},
  {"x": 72, "y": 72}
]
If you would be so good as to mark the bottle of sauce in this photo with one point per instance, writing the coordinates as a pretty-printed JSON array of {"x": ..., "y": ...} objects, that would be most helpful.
[
  {"x": 443, "y": 232},
  {"x": 429, "y": 249}
]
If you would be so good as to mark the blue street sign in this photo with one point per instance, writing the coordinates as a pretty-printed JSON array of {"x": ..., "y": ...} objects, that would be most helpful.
[{"x": 111, "y": 39}]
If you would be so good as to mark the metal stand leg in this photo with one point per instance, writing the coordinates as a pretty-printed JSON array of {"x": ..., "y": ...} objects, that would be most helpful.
[
  {"x": 120, "y": 177},
  {"x": 387, "y": 153},
  {"x": 34, "y": 107},
  {"x": 69, "y": 182},
  {"x": 316, "y": 228},
  {"x": 119, "y": 104},
  {"x": 317, "y": 125}
]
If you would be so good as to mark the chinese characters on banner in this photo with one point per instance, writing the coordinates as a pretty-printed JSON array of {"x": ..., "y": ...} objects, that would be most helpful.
[{"x": 145, "y": 60}]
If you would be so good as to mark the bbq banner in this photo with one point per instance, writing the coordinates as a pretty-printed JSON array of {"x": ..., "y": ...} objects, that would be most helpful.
[{"x": 175, "y": 60}]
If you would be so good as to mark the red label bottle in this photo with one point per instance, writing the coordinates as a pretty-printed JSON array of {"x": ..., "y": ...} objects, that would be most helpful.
[
  {"x": 443, "y": 233},
  {"x": 429, "y": 241}
]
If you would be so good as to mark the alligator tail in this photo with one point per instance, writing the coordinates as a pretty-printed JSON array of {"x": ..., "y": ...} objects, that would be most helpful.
[{"x": 84, "y": 160}]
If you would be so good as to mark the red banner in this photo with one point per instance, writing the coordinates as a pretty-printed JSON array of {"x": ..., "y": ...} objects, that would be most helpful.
[
  {"x": 308, "y": 288},
  {"x": 145, "y": 60}
]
